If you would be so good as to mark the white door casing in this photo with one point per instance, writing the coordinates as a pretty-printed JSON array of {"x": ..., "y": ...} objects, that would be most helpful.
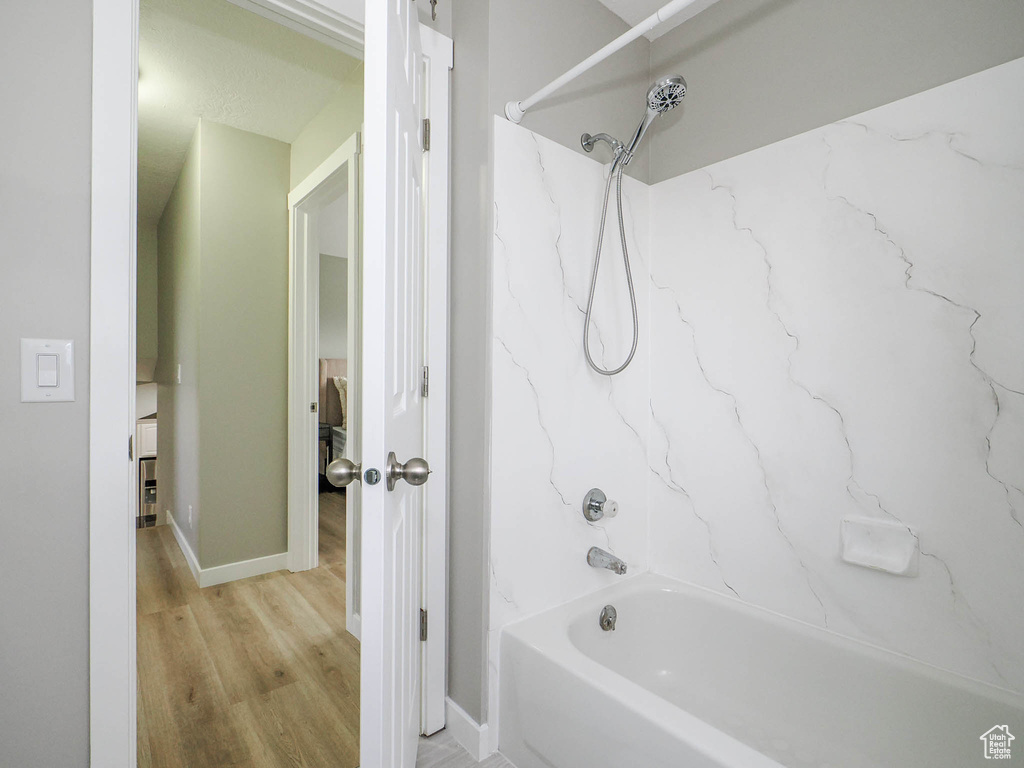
[
  {"x": 339, "y": 172},
  {"x": 354, "y": 441},
  {"x": 393, "y": 406},
  {"x": 112, "y": 474}
]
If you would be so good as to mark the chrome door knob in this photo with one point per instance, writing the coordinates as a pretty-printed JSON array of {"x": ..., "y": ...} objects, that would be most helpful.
[
  {"x": 341, "y": 472},
  {"x": 414, "y": 471}
]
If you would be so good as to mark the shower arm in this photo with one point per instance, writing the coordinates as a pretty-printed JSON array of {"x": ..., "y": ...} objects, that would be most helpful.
[{"x": 514, "y": 110}]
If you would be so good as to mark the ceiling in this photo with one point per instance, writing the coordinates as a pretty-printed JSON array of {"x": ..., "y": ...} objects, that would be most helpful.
[
  {"x": 635, "y": 11},
  {"x": 210, "y": 59}
]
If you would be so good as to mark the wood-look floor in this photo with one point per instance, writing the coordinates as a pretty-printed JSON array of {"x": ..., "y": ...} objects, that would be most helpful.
[{"x": 258, "y": 672}]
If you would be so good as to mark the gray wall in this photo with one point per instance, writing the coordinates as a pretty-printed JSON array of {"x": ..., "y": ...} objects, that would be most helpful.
[
  {"x": 443, "y": 11},
  {"x": 763, "y": 70},
  {"x": 534, "y": 41},
  {"x": 44, "y": 292},
  {"x": 333, "y": 306},
  {"x": 506, "y": 51},
  {"x": 468, "y": 502}
]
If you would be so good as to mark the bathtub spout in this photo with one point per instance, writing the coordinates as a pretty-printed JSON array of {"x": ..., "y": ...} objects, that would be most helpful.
[{"x": 598, "y": 558}]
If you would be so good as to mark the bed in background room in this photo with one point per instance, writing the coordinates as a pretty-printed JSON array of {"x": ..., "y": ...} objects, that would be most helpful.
[{"x": 333, "y": 416}]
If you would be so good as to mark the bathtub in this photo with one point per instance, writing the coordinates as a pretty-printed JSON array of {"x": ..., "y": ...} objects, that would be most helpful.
[{"x": 693, "y": 679}]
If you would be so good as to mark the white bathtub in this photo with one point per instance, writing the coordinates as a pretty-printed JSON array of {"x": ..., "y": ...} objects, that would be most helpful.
[{"x": 690, "y": 679}]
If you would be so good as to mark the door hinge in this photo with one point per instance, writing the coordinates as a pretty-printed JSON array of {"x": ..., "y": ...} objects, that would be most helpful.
[
  {"x": 426, "y": 134},
  {"x": 423, "y": 624},
  {"x": 131, "y": 453},
  {"x": 312, "y": 407},
  {"x": 425, "y": 389}
]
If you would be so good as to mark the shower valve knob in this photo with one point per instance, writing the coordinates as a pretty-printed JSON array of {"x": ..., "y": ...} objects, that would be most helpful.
[{"x": 596, "y": 505}]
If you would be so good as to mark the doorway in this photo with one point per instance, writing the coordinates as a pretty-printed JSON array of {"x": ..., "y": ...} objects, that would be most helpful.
[
  {"x": 325, "y": 344},
  {"x": 113, "y": 692},
  {"x": 236, "y": 657}
]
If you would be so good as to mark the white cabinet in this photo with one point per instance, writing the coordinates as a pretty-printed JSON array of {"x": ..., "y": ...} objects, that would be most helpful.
[{"x": 145, "y": 437}]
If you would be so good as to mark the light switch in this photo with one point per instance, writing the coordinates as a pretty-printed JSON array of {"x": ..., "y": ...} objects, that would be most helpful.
[{"x": 47, "y": 370}]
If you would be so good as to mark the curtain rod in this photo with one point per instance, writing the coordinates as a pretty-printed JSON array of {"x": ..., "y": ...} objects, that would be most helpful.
[{"x": 514, "y": 110}]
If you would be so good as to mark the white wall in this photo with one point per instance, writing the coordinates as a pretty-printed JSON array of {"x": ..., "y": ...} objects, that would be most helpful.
[
  {"x": 503, "y": 51},
  {"x": 558, "y": 428},
  {"x": 837, "y": 331},
  {"x": 831, "y": 326}
]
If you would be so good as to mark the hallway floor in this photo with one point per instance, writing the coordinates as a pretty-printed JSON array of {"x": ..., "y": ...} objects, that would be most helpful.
[{"x": 258, "y": 672}]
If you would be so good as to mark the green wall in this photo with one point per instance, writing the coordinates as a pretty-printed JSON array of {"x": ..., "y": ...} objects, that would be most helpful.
[
  {"x": 178, "y": 305},
  {"x": 243, "y": 350},
  {"x": 329, "y": 129},
  {"x": 223, "y": 316},
  {"x": 146, "y": 297}
]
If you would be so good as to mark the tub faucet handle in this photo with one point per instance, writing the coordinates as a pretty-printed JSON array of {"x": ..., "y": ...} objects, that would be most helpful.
[{"x": 596, "y": 505}]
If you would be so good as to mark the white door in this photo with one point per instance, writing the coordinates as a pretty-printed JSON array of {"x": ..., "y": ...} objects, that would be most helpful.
[{"x": 393, "y": 356}]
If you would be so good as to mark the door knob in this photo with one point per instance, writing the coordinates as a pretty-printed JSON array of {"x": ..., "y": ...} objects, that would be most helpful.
[
  {"x": 414, "y": 471},
  {"x": 341, "y": 472}
]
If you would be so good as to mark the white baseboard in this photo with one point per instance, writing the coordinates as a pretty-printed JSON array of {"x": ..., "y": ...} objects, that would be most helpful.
[
  {"x": 186, "y": 550},
  {"x": 354, "y": 625},
  {"x": 470, "y": 735},
  {"x": 221, "y": 574}
]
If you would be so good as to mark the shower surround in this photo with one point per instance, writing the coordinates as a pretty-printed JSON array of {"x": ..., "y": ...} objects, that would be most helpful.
[{"x": 831, "y": 326}]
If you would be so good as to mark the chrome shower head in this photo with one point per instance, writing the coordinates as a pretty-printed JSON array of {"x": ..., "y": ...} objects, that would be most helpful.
[{"x": 666, "y": 94}]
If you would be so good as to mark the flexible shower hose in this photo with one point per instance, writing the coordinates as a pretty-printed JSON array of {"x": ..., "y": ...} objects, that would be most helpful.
[{"x": 616, "y": 172}]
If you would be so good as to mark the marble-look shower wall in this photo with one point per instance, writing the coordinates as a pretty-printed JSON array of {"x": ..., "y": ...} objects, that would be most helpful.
[
  {"x": 837, "y": 329},
  {"x": 557, "y": 428}
]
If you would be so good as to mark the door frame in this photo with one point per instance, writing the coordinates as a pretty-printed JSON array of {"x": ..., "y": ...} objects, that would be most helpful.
[
  {"x": 438, "y": 55},
  {"x": 305, "y": 203},
  {"x": 112, "y": 586}
]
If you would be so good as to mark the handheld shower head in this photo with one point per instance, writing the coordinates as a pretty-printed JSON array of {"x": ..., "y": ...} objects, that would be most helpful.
[{"x": 664, "y": 95}]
